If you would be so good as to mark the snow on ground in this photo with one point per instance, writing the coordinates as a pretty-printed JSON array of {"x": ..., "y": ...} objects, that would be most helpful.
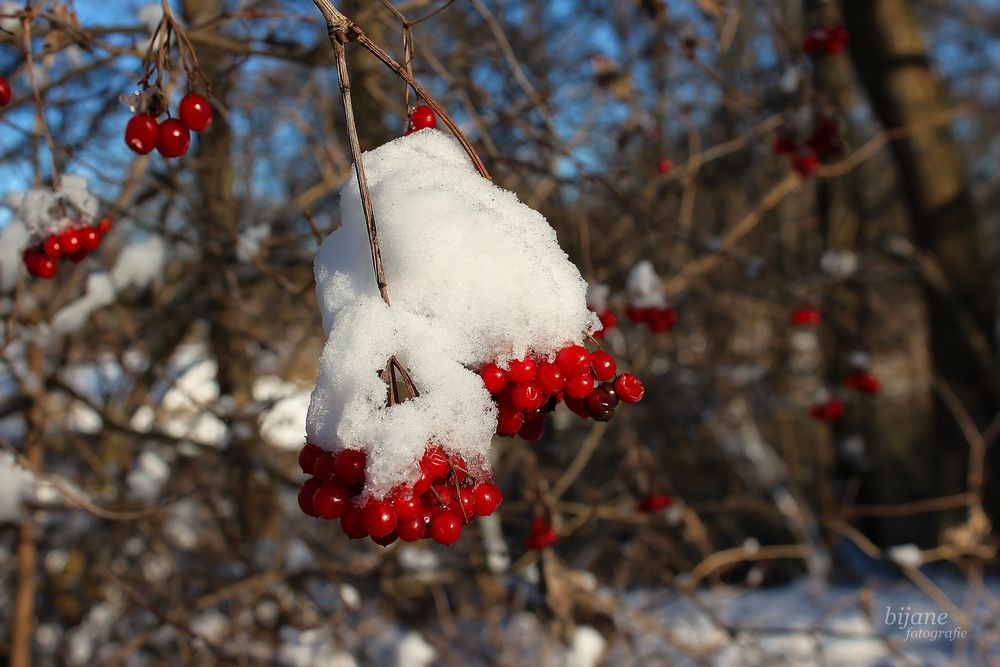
[{"x": 474, "y": 276}]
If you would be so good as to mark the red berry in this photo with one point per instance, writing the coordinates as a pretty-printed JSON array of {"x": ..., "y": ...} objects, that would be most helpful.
[
  {"x": 45, "y": 267},
  {"x": 664, "y": 166},
  {"x": 467, "y": 504},
  {"x": 458, "y": 467},
  {"x": 542, "y": 535},
  {"x": 71, "y": 241},
  {"x": 629, "y": 388},
  {"x": 4, "y": 92},
  {"x": 423, "y": 117},
  {"x": 806, "y": 317},
  {"x": 90, "y": 238},
  {"x": 30, "y": 257},
  {"x": 353, "y": 523},
  {"x": 522, "y": 370},
  {"x": 325, "y": 466},
  {"x": 573, "y": 360},
  {"x": 379, "y": 518},
  {"x": 446, "y": 527},
  {"x": 406, "y": 507},
  {"x": 78, "y": 256},
  {"x": 104, "y": 225},
  {"x": 509, "y": 420},
  {"x": 635, "y": 314},
  {"x": 306, "y": 493},
  {"x": 331, "y": 500},
  {"x": 829, "y": 411},
  {"x": 578, "y": 406},
  {"x": 195, "y": 112},
  {"x": 488, "y": 498},
  {"x": 494, "y": 377},
  {"x": 307, "y": 457},
  {"x": 173, "y": 139},
  {"x": 601, "y": 404},
  {"x": 863, "y": 381},
  {"x": 436, "y": 462},
  {"x": 142, "y": 133},
  {"x": 580, "y": 386},
  {"x": 440, "y": 495},
  {"x": 423, "y": 482},
  {"x": 350, "y": 466},
  {"x": 533, "y": 426},
  {"x": 527, "y": 397},
  {"x": 53, "y": 247},
  {"x": 654, "y": 502},
  {"x": 609, "y": 320},
  {"x": 550, "y": 379},
  {"x": 411, "y": 530},
  {"x": 805, "y": 165},
  {"x": 604, "y": 365}
]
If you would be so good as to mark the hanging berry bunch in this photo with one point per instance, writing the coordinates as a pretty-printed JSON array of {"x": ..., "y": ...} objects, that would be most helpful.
[
  {"x": 62, "y": 225},
  {"x": 145, "y": 131},
  {"x": 807, "y": 142},
  {"x": 444, "y": 498}
]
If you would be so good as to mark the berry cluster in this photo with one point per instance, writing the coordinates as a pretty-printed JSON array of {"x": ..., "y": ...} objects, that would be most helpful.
[
  {"x": 829, "y": 410},
  {"x": 172, "y": 137},
  {"x": 528, "y": 389},
  {"x": 656, "y": 318},
  {"x": 5, "y": 93},
  {"x": 421, "y": 118},
  {"x": 828, "y": 40},
  {"x": 73, "y": 243},
  {"x": 823, "y": 141},
  {"x": 542, "y": 534},
  {"x": 442, "y": 500}
]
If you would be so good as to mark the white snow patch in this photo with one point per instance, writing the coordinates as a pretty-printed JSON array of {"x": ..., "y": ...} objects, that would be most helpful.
[
  {"x": 644, "y": 287},
  {"x": 906, "y": 555}
]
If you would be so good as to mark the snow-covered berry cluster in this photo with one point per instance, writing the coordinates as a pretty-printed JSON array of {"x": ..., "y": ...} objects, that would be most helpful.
[
  {"x": 74, "y": 242},
  {"x": 443, "y": 499},
  {"x": 172, "y": 137},
  {"x": 827, "y": 40},
  {"x": 529, "y": 389},
  {"x": 647, "y": 302}
]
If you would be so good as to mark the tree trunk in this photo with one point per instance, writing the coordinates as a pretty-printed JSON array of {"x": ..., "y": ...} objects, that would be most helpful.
[{"x": 891, "y": 60}]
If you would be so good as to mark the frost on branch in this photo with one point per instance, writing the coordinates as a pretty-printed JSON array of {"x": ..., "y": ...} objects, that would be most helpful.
[{"x": 475, "y": 276}]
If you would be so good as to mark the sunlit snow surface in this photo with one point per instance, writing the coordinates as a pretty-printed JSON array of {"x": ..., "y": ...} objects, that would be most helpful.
[{"x": 474, "y": 275}]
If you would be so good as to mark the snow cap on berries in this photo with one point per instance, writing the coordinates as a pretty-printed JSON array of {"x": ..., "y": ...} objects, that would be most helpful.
[{"x": 644, "y": 287}]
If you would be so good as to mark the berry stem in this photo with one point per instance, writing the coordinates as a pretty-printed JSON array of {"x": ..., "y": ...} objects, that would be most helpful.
[{"x": 340, "y": 27}]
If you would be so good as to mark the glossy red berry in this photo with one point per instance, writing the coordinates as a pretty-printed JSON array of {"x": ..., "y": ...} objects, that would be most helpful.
[
  {"x": 522, "y": 370},
  {"x": 350, "y": 466},
  {"x": 71, "y": 241},
  {"x": 307, "y": 457},
  {"x": 423, "y": 482},
  {"x": 488, "y": 498},
  {"x": 331, "y": 500},
  {"x": 458, "y": 468},
  {"x": 379, "y": 518},
  {"x": 542, "y": 535},
  {"x": 411, "y": 530},
  {"x": 533, "y": 426},
  {"x": 580, "y": 386},
  {"x": 550, "y": 378},
  {"x": 324, "y": 466},
  {"x": 604, "y": 365},
  {"x": 573, "y": 360},
  {"x": 494, "y": 378},
  {"x": 629, "y": 388},
  {"x": 406, "y": 506},
  {"x": 467, "y": 504},
  {"x": 509, "y": 420},
  {"x": 104, "y": 225},
  {"x": 578, "y": 406},
  {"x": 664, "y": 166},
  {"x": 422, "y": 117},
  {"x": 173, "y": 139},
  {"x": 436, "y": 462},
  {"x": 5, "y": 93},
  {"x": 446, "y": 527},
  {"x": 353, "y": 523},
  {"x": 527, "y": 397},
  {"x": 440, "y": 495},
  {"x": 30, "y": 257},
  {"x": 385, "y": 540},
  {"x": 306, "y": 493},
  {"x": 52, "y": 246},
  {"x": 77, "y": 256},
  {"x": 90, "y": 238},
  {"x": 195, "y": 112},
  {"x": 142, "y": 133},
  {"x": 601, "y": 404},
  {"x": 45, "y": 267}
]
